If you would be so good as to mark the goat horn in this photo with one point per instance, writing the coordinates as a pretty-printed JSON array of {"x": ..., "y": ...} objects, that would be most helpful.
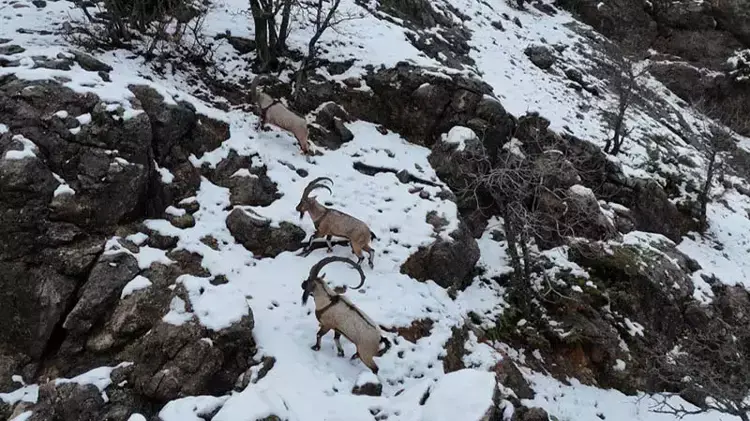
[
  {"x": 314, "y": 184},
  {"x": 315, "y": 270}
]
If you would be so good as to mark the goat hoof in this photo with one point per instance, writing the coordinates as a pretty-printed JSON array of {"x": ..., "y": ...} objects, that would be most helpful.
[
  {"x": 315, "y": 347},
  {"x": 341, "y": 353},
  {"x": 330, "y": 250}
]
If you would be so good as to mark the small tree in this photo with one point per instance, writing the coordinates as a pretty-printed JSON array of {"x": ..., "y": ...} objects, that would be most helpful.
[
  {"x": 270, "y": 41},
  {"x": 624, "y": 83},
  {"x": 322, "y": 15},
  {"x": 529, "y": 187},
  {"x": 717, "y": 138},
  {"x": 711, "y": 368}
]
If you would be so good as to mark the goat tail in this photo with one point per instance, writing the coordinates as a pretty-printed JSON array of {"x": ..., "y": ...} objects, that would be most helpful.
[{"x": 373, "y": 236}]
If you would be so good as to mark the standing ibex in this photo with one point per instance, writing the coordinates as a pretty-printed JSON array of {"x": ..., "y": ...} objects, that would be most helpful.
[
  {"x": 274, "y": 112},
  {"x": 336, "y": 312},
  {"x": 329, "y": 222}
]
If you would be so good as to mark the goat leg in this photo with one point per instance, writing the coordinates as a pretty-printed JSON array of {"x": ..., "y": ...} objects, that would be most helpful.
[
  {"x": 328, "y": 242},
  {"x": 337, "y": 339},
  {"x": 308, "y": 247},
  {"x": 355, "y": 356},
  {"x": 322, "y": 331}
]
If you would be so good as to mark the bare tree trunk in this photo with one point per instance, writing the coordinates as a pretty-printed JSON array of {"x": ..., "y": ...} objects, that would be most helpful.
[
  {"x": 261, "y": 32},
  {"x": 706, "y": 190},
  {"x": 286, "y": 12}
]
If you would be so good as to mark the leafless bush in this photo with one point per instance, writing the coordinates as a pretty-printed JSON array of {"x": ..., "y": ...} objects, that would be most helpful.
[
  {"x": 711, "y": 368},
  {"x": 322, "y": 15},
  {"x": 530, "y": 187},
  {"x": 149, "y": 27}
]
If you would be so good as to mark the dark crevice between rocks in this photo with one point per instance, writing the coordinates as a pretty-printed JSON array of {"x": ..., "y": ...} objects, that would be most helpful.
[
  {"x": 59, "y": 333},
  {"x": 403, "y": 176}
]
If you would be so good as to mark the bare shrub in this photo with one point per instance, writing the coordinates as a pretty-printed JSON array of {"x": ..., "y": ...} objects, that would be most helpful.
[
  {"x": 324, "y": 15},
  {"x": 153, "y": 28},
  {"x": 710, "y": 368},
  {"x": 530, "y": 185}
]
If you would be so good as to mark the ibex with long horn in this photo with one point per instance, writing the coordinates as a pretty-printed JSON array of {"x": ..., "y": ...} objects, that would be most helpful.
[
  {"x": 329, "y": 222},
  {"x": 274, "y": 112},
  {"x": 335, "y": 311}
]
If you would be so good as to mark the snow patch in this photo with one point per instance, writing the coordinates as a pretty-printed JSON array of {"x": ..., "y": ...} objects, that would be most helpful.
[{"x": 139, "y": 282}]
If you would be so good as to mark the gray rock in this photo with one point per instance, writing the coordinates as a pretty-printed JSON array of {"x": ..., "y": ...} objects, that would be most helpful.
[
  {"x": 8, "y": 50},
  {"x": 542, "y": 56},
  {"x": 102, "y": 289},
  {"x": 90, "y": 63},
  {"x": 68, "y": 402},
  {"x": 253, "y": 188},
  {"x": 259, "y": 237},
  {"x": 173, "y": 361},
  {"x": 448, "y": 263}
]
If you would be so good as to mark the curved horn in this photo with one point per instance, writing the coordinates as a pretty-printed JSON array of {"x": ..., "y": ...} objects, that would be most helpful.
[
  {"x": 326, "y": 260},
  {"x": 315, "y": 184}
]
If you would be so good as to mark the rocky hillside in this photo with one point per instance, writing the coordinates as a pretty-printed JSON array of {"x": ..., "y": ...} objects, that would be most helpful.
[{"x": 558, "y": 191}]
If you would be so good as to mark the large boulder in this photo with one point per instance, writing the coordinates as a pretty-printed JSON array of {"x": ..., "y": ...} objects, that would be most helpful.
[
  {"x": 258, "y": 236},
  {"x": 173, "y": 361},
  {"x": 68, "y": 402},
  {"x": 417, "y": 104},
  {"x": 248, "y": 184},
  {"x": 734, "y": 16},
  {"x": 448, "y": 262}
]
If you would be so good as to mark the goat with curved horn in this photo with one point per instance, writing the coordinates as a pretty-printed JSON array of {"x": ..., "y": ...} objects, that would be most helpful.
[
  {"x": 332, "y": 222},
  {"x": 335, "y": 311}
]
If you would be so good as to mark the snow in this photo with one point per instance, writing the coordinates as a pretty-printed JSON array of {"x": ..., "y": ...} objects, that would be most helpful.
[
  {"x": 99, "y": 377},
  {"x": 62, "y": 190},
  {"x": 469, "y": 393},
  {"x": 27, "y": 393},
  {"x": 190, "y": 408},
  {"x": 305, "y": 385},
  {"x": 586, "y": 403},
  {"x": 458, "y": 135},
  {"x": 137, "y": 283},
  {"x": 137, "y": 417},
  {"x": 29, "y": 149},
  {"x": 23, "y": 416}
]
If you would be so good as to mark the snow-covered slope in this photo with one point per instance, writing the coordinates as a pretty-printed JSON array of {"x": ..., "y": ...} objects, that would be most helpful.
[{"x": 305, "y": 385}]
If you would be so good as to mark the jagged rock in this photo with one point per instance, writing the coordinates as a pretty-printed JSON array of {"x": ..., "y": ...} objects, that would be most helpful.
[
  {"x": 652, "y": 210},
  {"x": 449, "y": 263},
  {"x": 646, "y": 285},
  {"x": 11, "y": 49},
  {"x": 103, "y": 287},
  {"x": 721, "y": 92},
  {"x": 248, "y": 184},
  {"x": 138, "y": 312},
  {"x": 508, "y": 374},
  {"x": 258, "y": 236},
  {"x": 173, "y": 361},
  {"x": 418, "y": 105},
  {"x": 530, "y": 414},
  {"x": 242, "y": 45},
  {"x": 178, "y": 131},
  {"x": 331, "y": 118},
  {"x": 578, "y": 211},
  {"x": 542, "y": 56},
  {"x": 68, "y": 402},
  {"x": 734, "y": 16},
  {"x": 90, "y": 63}
]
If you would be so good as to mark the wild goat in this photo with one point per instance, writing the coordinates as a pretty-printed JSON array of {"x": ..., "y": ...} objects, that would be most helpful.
[
  {"x": 329, "y": 222},
  {"x": 336, "y": 312},
  {"x": 274, "y": 112}
]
